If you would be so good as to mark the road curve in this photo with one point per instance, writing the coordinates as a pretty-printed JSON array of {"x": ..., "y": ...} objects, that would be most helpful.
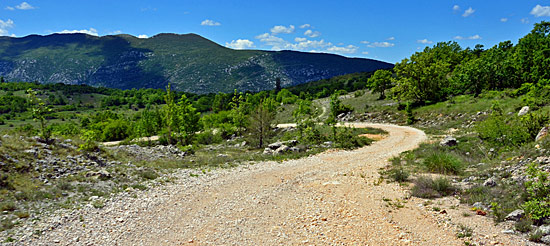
[{"x": 333, "y": 198}]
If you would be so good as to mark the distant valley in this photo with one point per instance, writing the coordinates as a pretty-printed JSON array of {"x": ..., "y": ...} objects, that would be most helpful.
[{"x": 189, "y": 62}]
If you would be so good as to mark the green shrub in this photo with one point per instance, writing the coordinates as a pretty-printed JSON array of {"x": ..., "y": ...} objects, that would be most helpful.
[
  {"x": 536, "y": 236},
  {"x": 116, "y": 130},
  {"x": 533, "y": 122},
  {"x": 148, "y": 174},
  {"x": 208, "y": 137},
  {"x": 445, "y": 163},
  {"x": 347, "y": 140},
  {"x": 523, "y": 225},
  {"x": 399, "y": 175},
  {"x": 537, "y": 206},
  {"x": 498, "y": 132},
  {"x": 426, "y": 187}
]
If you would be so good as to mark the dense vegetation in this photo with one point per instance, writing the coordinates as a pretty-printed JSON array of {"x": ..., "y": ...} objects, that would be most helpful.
[{"x": 445, "y": 70}]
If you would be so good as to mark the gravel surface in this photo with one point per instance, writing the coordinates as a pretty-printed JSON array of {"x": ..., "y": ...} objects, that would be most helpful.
[{"x": 333, "y": 198}]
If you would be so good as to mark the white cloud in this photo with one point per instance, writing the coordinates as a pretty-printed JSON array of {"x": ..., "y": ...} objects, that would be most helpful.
[
  {"x": 282, "y": 29},
  {"x": 312, "y": 34},
  {"x": 350, "y": 49},
  {"x": 21, "y": 6},
  {"x": 305, "y": 26},
  {"x": 208, "y": 22},
  {"x": 365, "y": 42},
  {"x": 24, "y": 6},
  {"x": 91, "y": 31},
  {"x": 143, "y": 36},
  {"x": 475, "y": 37},
  {"x": 391, "y": 38},
  {"x": 503, "y": 19},
  {"x": 456, "y": 8},
  {"x": 365, "y": 52},
  {"x": 240, "y": 44},
  {"x": 468, "y": 12},
  {"x": 298, "y": 39},
  {"x": 525, "y": 20},
  {"x": 4, "y": 26},
  {"x": 424, "y": 41},
  {"x": 381, "y": 45},
  {"x": 115, "y": 32},
  {"x": 539, "y": 11}
]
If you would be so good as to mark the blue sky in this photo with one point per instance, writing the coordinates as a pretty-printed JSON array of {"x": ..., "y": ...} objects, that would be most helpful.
[{"x": 384, "y": 30}]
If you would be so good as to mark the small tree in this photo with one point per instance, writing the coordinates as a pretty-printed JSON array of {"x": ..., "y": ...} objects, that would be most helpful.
[
  {"x": 147, "y": 125},
  {"x": 380, "y": 81},
  {"x": 238, "y": 111},
  {"x": 170, "y": 114},
  {"x": 39, "y": 111},
  {"x": 261, "y": 119},
  {"x": 188, "y": 119}
]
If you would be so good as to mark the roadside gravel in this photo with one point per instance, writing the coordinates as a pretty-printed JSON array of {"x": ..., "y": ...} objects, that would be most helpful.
[{"x": 333, "y": 198}]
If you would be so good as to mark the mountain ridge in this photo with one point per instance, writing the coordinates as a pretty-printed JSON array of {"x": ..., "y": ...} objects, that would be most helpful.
[{"x": 190, "y": 62}]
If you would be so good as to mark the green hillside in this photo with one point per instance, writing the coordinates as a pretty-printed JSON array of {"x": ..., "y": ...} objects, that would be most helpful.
[{"x": 190, "y": 62}]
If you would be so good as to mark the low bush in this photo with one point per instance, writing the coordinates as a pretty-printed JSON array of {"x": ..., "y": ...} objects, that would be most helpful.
[{"x": 426, "y": 187}]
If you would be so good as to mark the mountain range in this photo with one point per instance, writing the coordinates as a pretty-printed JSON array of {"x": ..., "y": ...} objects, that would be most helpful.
[{"x": 189, "y": 62}]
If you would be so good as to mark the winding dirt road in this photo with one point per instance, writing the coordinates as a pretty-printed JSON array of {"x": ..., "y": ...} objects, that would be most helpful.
[{"x": 334, "y": 198}]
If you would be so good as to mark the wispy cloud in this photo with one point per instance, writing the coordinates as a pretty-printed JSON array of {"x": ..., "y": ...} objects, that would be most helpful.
[
  {"x": 540, "y": 11},
  {"x": 240, "y": 44},
  {"x": 282, "y": 29},
  {"x": 380, "y": 45},
  {"x": 365, "y": 52},
  {"x": 456, "y": 7},
  {"x": 525, "y": 20},
  {"x": 390, "y": 38},
  {"x": 424, "y": 41},
  {"x": 208, "y": 22},
  {"x": 91, "y": 31},
  {"x": 4, "y": 26},
  {"x": 475, "y": 37},
  {"x": 504, "y": 19},
  {"x": 305, "y": 26},
  {"x": 143, "y": 36},
  {"x": 21, "y": 6},
  {"x": 468, "y": 12},
  {"x": 312, "y": 34}
]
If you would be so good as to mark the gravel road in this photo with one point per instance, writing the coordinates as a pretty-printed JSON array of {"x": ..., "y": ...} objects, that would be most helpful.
[{"x": 333, "y": 198}]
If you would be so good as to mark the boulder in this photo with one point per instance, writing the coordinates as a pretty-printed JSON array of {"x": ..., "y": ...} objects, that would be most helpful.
[
  {"x": 282, "y": 149},
  {"x": 268, "y": 151},
  {"x": 545, "y": 240},
  {"x": 448, "y": 141},
  {"x": 515, "y": 215},
  {"x": 275, "y": 145},
  {"x": 523, "y": 111},
  {"x": 490, "y": 182},
  {"x": 544, "y": 230},
  {"x": 542, "y": 133}
]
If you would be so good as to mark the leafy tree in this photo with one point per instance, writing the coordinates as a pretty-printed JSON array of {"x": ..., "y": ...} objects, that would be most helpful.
[
  {"x": 425, "y": 75},
  {"x": 261, "y": 119},
  {"x": 147, "y": 124},
  {"x": 303, "y": 117},
  {"x": 336, "y": 108},
  {"x": 380, "y": 81},
  {"x": 238, "y": 111},
  {"x": 188, "y": 119},
  {"x": 170, "y": 111},
  {"x": 39, "y": 111},
  {"x": 533, "y": 54}
]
